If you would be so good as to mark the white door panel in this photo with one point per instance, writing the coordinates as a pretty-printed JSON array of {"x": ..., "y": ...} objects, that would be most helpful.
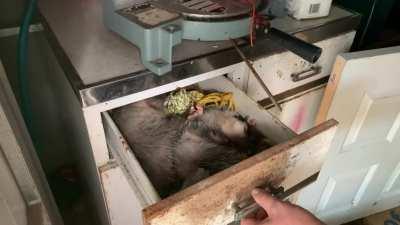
[{"x": 362, "y": 173}]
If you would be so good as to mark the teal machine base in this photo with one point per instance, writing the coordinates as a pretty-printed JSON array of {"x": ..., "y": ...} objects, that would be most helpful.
[{"x": 156, "y": 30}]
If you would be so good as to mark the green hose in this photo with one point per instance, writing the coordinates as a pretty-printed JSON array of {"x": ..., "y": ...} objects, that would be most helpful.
[{"x": 22, "y": 67}]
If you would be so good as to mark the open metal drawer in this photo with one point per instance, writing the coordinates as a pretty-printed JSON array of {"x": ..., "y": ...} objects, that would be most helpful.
[{"x": 211, "y": 201}]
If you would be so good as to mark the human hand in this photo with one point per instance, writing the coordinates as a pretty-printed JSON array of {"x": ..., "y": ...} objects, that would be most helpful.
[{"x": 277, "y": 212}]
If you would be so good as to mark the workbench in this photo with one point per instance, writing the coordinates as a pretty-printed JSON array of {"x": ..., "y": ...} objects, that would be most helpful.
[{"x": 101, "y": 71}]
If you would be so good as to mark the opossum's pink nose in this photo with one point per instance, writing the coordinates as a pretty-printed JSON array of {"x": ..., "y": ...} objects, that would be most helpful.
[
  {"x": 251, "y": 122},
  {"x": 195, "y": 111}
]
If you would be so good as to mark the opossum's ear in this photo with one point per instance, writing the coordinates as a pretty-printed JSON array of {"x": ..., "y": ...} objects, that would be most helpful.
[{"x": 195, "y": 111}]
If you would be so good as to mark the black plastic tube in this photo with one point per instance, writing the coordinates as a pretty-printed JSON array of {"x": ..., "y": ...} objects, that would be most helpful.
[{"x": 305, "y": 50}]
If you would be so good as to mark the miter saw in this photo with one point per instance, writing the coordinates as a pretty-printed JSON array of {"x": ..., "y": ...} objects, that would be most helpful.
[{"x": 156, "y": 26}]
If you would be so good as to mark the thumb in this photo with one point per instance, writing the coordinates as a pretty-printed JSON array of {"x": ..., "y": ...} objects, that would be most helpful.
[
  {"x": 264, "y": 199},
  {"x": 248, "y": 221}
]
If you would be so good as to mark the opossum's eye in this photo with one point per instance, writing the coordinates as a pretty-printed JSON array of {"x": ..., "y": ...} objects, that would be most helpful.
[{"x": 240, "y": 117}]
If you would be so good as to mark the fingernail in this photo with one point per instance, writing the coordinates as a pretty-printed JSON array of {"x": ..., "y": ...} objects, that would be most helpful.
[{"x": 256, "y": 191}]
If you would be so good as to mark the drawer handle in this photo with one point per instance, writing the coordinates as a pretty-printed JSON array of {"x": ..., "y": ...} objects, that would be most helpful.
[
  {"x": 314, "y": 70},
  {"x": 243, "y": 209},
  {"x": 248, "y": 206}
]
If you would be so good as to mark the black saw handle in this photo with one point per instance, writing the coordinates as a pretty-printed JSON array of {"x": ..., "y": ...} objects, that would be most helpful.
[{"x": 305, "y": 50}]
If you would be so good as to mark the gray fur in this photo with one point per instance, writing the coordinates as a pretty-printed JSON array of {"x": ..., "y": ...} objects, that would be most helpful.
[{"x": 173, "y": 150}]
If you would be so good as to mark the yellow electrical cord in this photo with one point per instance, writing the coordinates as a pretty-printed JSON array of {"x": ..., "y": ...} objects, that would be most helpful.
[{"x": 219, "y": 99}]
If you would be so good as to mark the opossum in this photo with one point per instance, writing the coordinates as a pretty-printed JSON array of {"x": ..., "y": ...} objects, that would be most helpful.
[{"x": 177, "y": 151}]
